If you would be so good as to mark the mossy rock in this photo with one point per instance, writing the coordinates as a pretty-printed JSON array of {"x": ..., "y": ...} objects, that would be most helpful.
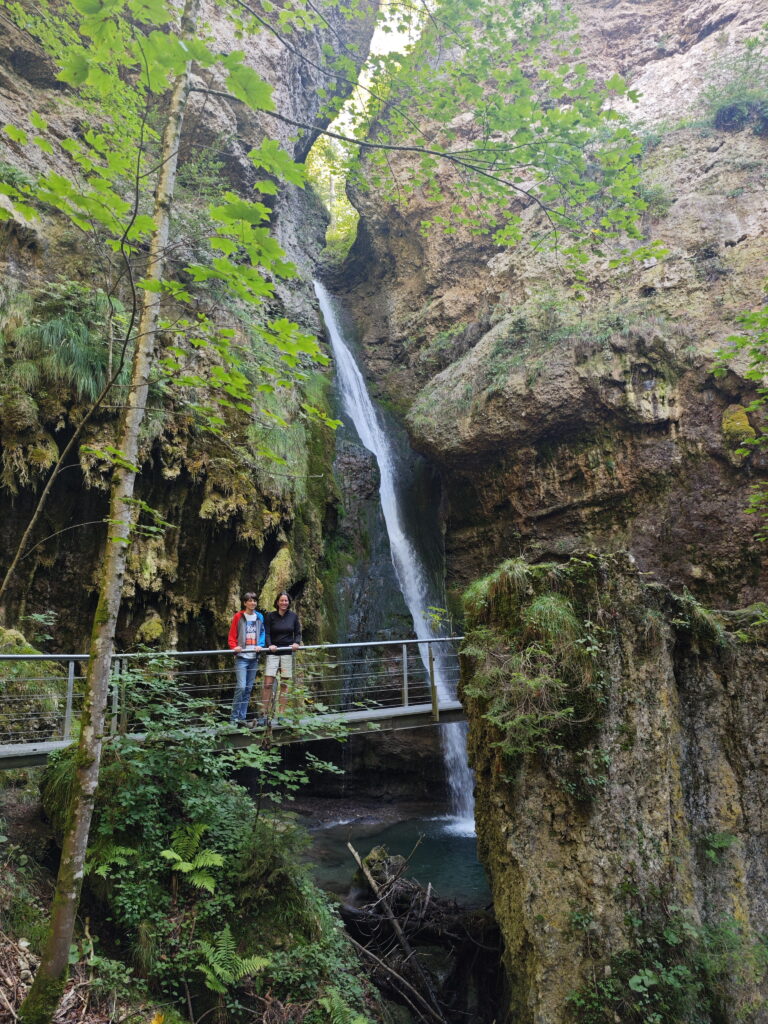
[
  {"x": 32, "y": 691},
  {"x": 736, "y": 427},
  {"x": 20, "y": 412},
  {"x": 279, "y": 577},
  {"x": 151, "y": 630}
]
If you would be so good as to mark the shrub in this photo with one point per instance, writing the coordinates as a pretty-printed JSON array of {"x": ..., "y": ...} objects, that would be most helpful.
[
  {"x": 179, "y": 849},
  {"x": 738, "y": 93}
]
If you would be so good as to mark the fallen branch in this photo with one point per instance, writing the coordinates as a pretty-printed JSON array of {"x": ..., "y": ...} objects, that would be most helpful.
[
  {"x": 405, "y": 945},
  {"x": 400, "y": 980},
  {"x": 8, "y": 1005}
]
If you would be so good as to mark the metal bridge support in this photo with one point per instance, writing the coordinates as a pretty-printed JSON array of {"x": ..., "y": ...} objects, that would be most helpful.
[
  {"x": 433, "y": 685},
  {"x": 67, "y": 729},
  {"x": 405, "y": 675}
]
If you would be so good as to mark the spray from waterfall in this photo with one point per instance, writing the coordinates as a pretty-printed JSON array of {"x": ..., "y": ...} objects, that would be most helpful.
[{"x": 409, "y": 567}]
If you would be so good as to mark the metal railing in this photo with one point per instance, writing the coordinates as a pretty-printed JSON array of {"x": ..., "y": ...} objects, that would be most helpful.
[{"x": 41, "y": 695}]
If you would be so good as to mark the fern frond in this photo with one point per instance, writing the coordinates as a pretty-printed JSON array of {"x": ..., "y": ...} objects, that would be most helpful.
[
  {"x": 208, "y": 859},
  {"x": 202, "y": 880},
  {"x": 186, "y": 839},
  {"x": 211, "y": 981},
  {"x": 252, "y": 965},
  {"x": 223, "y": 966},
  {"x": 338, "y": 1010},
  {"x": 101, "y": 860}
]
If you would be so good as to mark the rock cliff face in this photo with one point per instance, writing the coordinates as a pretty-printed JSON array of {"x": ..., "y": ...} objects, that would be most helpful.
[
  {"x": 626, "y": 838},
  {"x": 234, "y": 526},
  {"x": 558, "y": 424},
  {"x": 630, "y": 835}
]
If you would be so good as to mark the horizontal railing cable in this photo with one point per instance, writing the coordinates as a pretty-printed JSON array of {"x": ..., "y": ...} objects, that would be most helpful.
[{"x": 327, "y": 679}]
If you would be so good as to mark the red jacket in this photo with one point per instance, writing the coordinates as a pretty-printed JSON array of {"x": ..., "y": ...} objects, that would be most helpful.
[{"x": 234, "y": 631}]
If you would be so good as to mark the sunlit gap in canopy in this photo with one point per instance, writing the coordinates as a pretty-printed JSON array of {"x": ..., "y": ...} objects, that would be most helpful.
[{"x": 397, "y": 27}]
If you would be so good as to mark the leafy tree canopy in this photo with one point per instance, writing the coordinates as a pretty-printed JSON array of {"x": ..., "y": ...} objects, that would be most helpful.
[{"x": 496, "y": 112}]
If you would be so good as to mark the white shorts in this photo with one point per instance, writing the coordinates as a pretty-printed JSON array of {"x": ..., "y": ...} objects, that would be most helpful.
[{"x": 283, "y": 662}]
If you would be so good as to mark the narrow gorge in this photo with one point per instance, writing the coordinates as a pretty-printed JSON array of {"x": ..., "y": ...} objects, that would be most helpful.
[{"x": 540, "y": 233}]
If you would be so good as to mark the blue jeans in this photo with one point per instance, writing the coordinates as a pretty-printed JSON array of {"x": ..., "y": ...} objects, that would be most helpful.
[{"x": 245, "y": 673}]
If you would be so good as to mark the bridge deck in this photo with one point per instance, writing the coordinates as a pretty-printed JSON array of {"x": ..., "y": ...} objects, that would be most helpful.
[{"x": 308, "y": 729}]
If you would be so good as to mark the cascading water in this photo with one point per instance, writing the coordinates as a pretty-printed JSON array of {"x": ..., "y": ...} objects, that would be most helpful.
[{"x": 409, "y": 567}]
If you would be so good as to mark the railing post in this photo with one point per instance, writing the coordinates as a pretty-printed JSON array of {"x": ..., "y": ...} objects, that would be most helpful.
[
  {"x": 432, "y": 684},
  {"x": 405, "y": 675},
  {"x": 123, "y": 719},
  {"x": 299, "y": 687},
  {"x": 67, "y": 733},
  {"x": 113, "y": 680}
]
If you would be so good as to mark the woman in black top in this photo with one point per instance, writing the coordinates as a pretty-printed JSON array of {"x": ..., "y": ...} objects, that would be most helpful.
[{"x": 283, "y": 631}]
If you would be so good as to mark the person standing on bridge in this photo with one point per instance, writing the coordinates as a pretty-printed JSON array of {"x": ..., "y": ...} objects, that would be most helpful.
[
  {"x": 246, "y": 639},
  {"x": 283, "y": 634}
]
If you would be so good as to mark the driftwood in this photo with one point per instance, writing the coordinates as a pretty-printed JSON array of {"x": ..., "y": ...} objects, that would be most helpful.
[
  {"x": 411, "y": 957},
  {"x": 400, "y": 919}
]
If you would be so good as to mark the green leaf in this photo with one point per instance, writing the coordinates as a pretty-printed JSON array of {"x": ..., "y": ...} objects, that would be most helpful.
[
  {"x": 75, "y": 70},
  {"x": 16, "y": 134},
  {"x": 151, "y": 12},
  {"x": 38, "y": 122},
  {"x": 616, "y": 84},
  {"x": 244, "y": 83},
  {"x": 275, "y": 160}
]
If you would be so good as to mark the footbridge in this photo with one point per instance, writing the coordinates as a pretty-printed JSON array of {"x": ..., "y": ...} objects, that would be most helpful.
[{"x": 336, "y": 690}]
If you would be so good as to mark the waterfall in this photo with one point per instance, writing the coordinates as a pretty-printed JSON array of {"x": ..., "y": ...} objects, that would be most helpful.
[{"x": 409, "y": 566}]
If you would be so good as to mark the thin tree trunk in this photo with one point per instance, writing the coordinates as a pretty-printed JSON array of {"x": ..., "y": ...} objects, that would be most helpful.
[{"x": 43, "y": 997}]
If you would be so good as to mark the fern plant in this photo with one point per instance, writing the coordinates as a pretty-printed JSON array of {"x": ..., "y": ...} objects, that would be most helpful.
[
  {"x": 59, "y": 334},
  {"x": 103, "y": 859},
  {"x": 185, "y": 856},
  {"x": 338, "y": 1010},
  {"x": 223, "y": 966}
]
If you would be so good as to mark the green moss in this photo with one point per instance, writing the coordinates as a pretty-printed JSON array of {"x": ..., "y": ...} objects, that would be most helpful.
[
  {"x": 533, "y": 662},
  {"x": 736, "y": 427},
  {"x": 151, "y": 630},
  {"x": 280, "y": 577},
  {"x": 42, "y": 1000}
]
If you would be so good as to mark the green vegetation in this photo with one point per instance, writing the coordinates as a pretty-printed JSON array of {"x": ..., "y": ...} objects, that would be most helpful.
[
  {"x": 33, "y": 691},
  {"x": 548, "y": 133},
  {"x": 657, "y": 200},
  {"x": 541, "y": 642},
  {"x": 751, "y": 346},
  {"x": 14, "y": 176},
  {"x": 326, "y": 173},
  {"x": 197, "y": 885},
  {"x": 22, "y": 909},
  {"x": 523, "y": 336},
  {"x": 58, "y": 336},
  {"x": 676, "y": 970},
  {"x": 533, "y": 663},
  {"x": 738, "y": 94}
]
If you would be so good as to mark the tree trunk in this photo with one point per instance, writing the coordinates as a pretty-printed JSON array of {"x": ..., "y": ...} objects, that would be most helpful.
[{"x": 43, "y": 997}]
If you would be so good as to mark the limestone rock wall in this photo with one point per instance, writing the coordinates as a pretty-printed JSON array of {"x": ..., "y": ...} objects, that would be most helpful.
[
  {"x": 559, "y": 425},
  {"x": 233, "y": 527},
  {"x": 633, "y": 838}
]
